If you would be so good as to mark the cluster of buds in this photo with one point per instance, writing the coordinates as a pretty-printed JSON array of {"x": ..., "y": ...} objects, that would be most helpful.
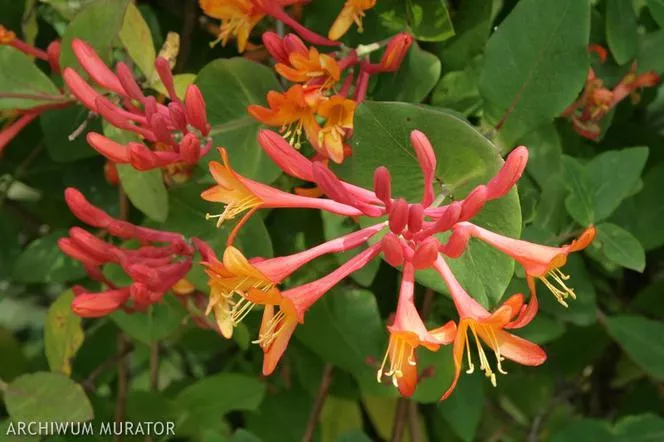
[
  {"x": 409, "y": 239},
  {"x": 239, "y": 17},
  {"x": 18, "y": 119},
  {"x": 160, "y": 262},
  {"x": 178, "y": 133},
  {"x": 315, "y": 95},
  {"x": 596, "y": 100}
]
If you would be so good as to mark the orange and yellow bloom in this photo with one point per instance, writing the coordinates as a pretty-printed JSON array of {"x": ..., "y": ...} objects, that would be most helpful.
[
  {"x": 352, "y": 12},
  {"x": 310, "y": 67},
  {"x": 338, "y": 113},
  {"x": 238, "y": 19}
]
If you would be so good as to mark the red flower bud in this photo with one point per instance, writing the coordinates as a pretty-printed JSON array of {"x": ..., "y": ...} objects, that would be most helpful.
[
  {"x": 288, "y": 159},
  {"x": 275, "y": 46},
  {"x": 178, "y": 115},
  {"x": 166, "y": 75},
  {"x": 330, "y": 184},
  {"x": 95, "y": 305},
  {"x": 474, "y": 202},
  {"x": 111, "y": 173},
  {"x": 293, "y": 44},
  {"x": 85, "y": 211},
  {"x": 75, "y": 252},
  {"x": 53, "y": 51},
  {"x": 392, "y": 249},
  {"x": 190, "y": 149},
  {"x": 86, "y": 241},
  {"x": 509, "y": 174},
  {"x": 457, "y": 242},
  {"x": 115, "y": 152},
  {"x": 159, "y": 125},
  {"x": 83, "y": 92},
  {"x": 426, "y": 253},
  {"x": 427, "y": 159},
  {"x": 126, "y": 78},
  {"x": 415, "y": 218},
  {"x": 398, "y": 215},
  {"x": 395, "y": 52},
  {"x": 122, "y": 229},
  {"x": 383, "y": 185},
  {"x": 96, "y": 67},
  {"x": 196, "y": 112}
]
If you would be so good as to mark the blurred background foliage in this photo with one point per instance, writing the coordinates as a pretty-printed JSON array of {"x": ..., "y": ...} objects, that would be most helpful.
[{"x": 603, "y": 378}]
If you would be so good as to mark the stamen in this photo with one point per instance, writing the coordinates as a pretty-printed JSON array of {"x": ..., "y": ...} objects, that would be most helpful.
[
  {"x": 273, "y": 329},
  {"x": 234, "y": 209},
  {"x": 399, "y": 352},
  {"x": 558, "y": 286},
  {"x": 484, "y": 361}
]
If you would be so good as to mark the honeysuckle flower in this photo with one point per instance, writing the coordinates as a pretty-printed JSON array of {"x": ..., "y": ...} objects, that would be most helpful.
[
  {"x": 311, "y": 67},
  {"x": 241, "y": 195},
  {"x": 235, "y": 281},
  {"x": 294, "y": 111},
  {"x": 352, "y": 12},
  {"x": 489, "y": 329},
  {"x": 338, "y": 113},
  {"x": 407, "y": 333},
  {"x": 51, "y": 55}
]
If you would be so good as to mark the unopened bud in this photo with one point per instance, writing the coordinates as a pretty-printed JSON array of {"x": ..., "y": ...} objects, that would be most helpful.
[
  {"x": 159, "y": 125},
  {"x": 457, "y": 242},
  {"x": 53, "y": 51},
  {"x": 85, "y": 211},
  {"x": 330, "y": 184},
  {"x": 509, "y": 173},
  {"x": 427, "y": 159},
  {"x": 95, "y": 66},
  {"x": 83, "y": 92},
  {"x": 95, "y": 305},
  {"x": 426, "y": 253},
  {"x": 178, "y": 115},
  {"x": 111, "y": 173},
  {"x": 71, "y": 249},
  {"x": 122, "y": 229},
  {"x": 398, "y": 215},
  {"x": 164, "y": 71},
  {"x": 275, "y": 46},
  {"x": 383, "y": 185},
  {"x": 113, "y": 151},
  {"x": 392, "y": 249},
  {"x": 449, "y": 217},
  {"x": 395, "y": 52},
  {"x": 415, "y": 218},
  {"x": 293, "y": 44},
  {"x": 473, "y": 203},
  {"x": 190, "y": 149},
  {"x": 84, "y": 240},
  {"x": 196, "y": 111},
  {"x": 288, "y": 159},
  {"x": 126, "y": 78},
  {"x": 142, "y": 158}
]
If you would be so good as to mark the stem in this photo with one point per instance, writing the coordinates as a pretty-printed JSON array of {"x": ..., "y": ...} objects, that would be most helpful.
[
  {"x": 317, "y": 408},
  {"x": 414, "y": 429},
  {"x": 89, "y": 382},
  {"x": 400, "y": 415},
  {"x": 123, "y": 383},
  {"x": 190, "y": 16},
  {"x": 154, "y": 366}
]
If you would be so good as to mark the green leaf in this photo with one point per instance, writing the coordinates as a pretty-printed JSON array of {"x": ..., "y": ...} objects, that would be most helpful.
[
  {"x": 46, "y": 397},
  {"x": 86, "y": 26},
  {"x": 621, "y": 30},
  {"x": 145, "y": 190},
  {"x": 586, "y": 430},
  {"x": 641, "y": 428},
  {"x": 354, "y": 436},
  {"x": 344, "y": 328},
  {"x": 621, "y": 247},
  {"x": 440, "y": 367},
  {"x": 14, "y": 361},
  {"x": 59, "y": 124},
  {"x": 229, "y": 86},
  {"x": 339, "y": 416},
  {"x": 459, "y": 90},
  {"x": 414, "y": 80},
  {"x": 429, "y": 20},
  {"x": 208, "y": 399},
  {"x": 136, "y": 37},
  {"x": 463, "y": 409},
  {"x": 657, "y": 11},
  {"x": 63, "y": 334},
  {"x": 544, "y": 153},
  {"x": 612, "y": 176},
  {"x": 159, "y": 322},
  {"x": 472, "y": 22},
  {"x": 242, "y": 435},
  {"x": 580, "y": 201},
  {"x": 22, "y": 84},
  {"x": 44, "y": 254},
  {"x": 283, "y": 415},
  {"x": 535, "y": 64},
  {"x": 641, "y": 338},
  {"x": 465, "y": 159}
]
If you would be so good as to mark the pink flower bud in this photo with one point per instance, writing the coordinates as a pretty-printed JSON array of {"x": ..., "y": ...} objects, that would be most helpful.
[
  {"x": 112, "y": 113},
  {"x": 126, "y": 78},
  {"x": 141, "y": 157},
  {"x": 415, "y": 218},
  {"x": 178, "y": 115},
  {"x": 100, "y": 250},
  {"x": 426, "y": 253},
  {"x": 190, "y": 149},
  {"x": 398, "y": 215},
  {"x": 204, "y": 249},
  {"x": 95, "y": 305},
  {"x": 164, "y": 70},
  {"x": 330, "y": 184},
  {"x": 383, "y": 185},
  {"x": 392, "y": 249},
  {"x": 159, "y": 126},
  {"x": 115, "y": 152},
  {"x": 473, "y": 203},
  {"x": 288, "y": 159},
  {"x": 144, "y": 274},
  {"x": 85, "y": 211},
  {"x": 457, "y": 242},
  {"x": 122, "y": 229},
  {"x": 427, "y": 159},
  {"x": 140, "y": 295},
  {"x": 395, "y": 52},
  {"x": 95, "y": 66},
  {"x": 71, "y": 249},
  {"x": 196, "y": 111},
  {"x": 509, "y": 174},
  {"x": 83, "y": 92},
  {"x": 293, "y": 44},
  {"x": 275, "y": 46},
  {"x": 53, "y": 50}
]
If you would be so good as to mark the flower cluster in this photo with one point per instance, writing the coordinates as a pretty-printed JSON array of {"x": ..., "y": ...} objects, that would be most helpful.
[
  {"x": 596, "y": 100},
  {"x": 178, "y": 132},
  {"x": 161, "y": 261},
  {"x": 18, "y": 119},
  {"x": 314, "y": 97},
  {"x": 407, "y": 239}
]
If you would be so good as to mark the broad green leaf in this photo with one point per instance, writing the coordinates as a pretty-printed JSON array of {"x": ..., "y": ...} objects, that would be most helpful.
[
  {"x": 159, "y": 322},
  {"x": 472, "y": 23},
  {"x": 22, "y": 84},
  {"x": 354, "y": 436},
  {"x": 212, "y": 397},
  {"x": 336, "y": 226},
  {"x": 641, "y": 338},
  {"x": 9, "y": 432},
  {"x": 46, "y": 397},
  {"x": 542, "y": 330},
  {"x": 621, "y": 247},
  {"x": 657, "y": 11},
  {"x": 53, "y": 265},
  {"x": 612, "y": 176},
  {"x": 59, "y": 124},
  {"x": 242, "y": 435},
  {"x": 440, "y": 368},
  {"x": 137, "y": 39},
  {"x": 339, "y": 416},
  {"x": 544, "y": 153},
  {"x": 621, "y": 30},
  {"x": 535, "y": 64},
  {"x": 580, "y": 201},
  {"x": 414, "y": 80},
  {"x": 465, "y": 159},
  {"x": 459, "y": 90},
  {"x": 63, "y": 334},
  {"x": 146, "y": 190},
  {"x": 283, "y": 415},
  {"x": 463, "y": 409},
  {"x": 641, "y": 428},
  {"x": 429, "y": 20},
  {"x": 345, "y": 328},
  {"x": 586, "y": 430},
  {"x": 86, "y": 26},
  {"x": 649, "y": 58},
  {"x": 68, "y": 8},
  {"x": 153, "y": 406},
  {"x": 14, "y": 361},
  {"x": 229, "y": 86}
]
